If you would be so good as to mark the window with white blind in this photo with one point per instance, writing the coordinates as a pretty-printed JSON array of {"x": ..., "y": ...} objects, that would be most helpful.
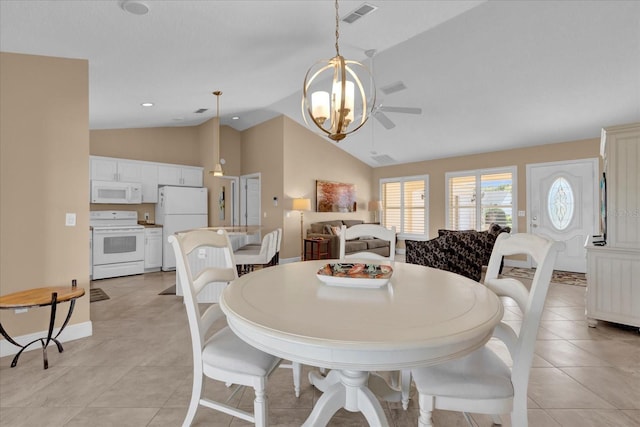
[
  {"x": 404, "y": 204},
  {"x": 477, "y": 198}
]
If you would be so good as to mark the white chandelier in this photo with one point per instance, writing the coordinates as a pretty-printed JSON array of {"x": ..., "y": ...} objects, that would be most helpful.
[{"x": 337, "y": 104}]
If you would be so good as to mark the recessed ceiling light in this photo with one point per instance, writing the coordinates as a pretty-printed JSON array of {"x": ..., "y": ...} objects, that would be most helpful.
[
  {"x": 147, "y": 104},
  {"x": 134, "y": 7}
]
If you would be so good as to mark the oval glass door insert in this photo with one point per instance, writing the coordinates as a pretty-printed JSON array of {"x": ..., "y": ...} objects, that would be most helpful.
[{"x": 560, "y": 203}]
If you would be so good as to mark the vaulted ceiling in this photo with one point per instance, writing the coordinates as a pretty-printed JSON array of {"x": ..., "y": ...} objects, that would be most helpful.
[{"x": 487, "y": 75}]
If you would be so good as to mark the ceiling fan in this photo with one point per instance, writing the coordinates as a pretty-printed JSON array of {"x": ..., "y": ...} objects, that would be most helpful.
[{"x": 379, "y": 110}]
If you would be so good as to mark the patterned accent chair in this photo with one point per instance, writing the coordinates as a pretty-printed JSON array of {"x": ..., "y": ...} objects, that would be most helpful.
[{"x": 462, "y": 252}]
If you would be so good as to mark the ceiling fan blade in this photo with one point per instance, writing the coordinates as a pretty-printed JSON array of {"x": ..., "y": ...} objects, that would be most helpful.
[
  {"x": 384, "y": 120},
  {"x": 406, "y": 110}
]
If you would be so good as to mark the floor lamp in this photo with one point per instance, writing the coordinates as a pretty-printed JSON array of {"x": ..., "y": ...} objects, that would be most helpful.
[
  {"x": 375, "y": 206},
  {"x": 301, "y": 205}
]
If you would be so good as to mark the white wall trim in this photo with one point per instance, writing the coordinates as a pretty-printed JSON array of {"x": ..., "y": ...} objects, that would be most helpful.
[{"x": 70, "y": 333}]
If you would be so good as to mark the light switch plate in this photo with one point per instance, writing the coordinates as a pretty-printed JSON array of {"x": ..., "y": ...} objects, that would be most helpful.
[
  {"x": 70, "y": 220},
  {"x": 521, "y": 213}
]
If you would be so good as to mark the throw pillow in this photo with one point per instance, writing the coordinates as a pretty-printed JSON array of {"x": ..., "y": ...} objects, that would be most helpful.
[
  {"x": 431, "y": 253},
  {"x": 327, "y": 229},
  {"x": 335, "y": 230}
]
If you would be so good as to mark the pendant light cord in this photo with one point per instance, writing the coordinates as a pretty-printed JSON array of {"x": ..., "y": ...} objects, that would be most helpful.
[{"x": 337, "y": 29}]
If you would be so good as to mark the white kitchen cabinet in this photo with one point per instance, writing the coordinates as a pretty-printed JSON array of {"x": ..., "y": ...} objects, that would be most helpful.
[
  {"x": 613, "y": 288},
  {"x": 112, "y": 169},
  {"x": 149, "y": 174},
  {"x": 188, "y": 176},
  {"x": 123, "y": 170},
  {"x": 149, "y": 180},
  {"x": 103, "y": 168},
  {"x": 152, "y": 248}
]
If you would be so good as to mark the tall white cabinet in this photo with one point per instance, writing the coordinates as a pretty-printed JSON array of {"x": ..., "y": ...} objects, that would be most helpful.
[{"x": 613, "y": 270}]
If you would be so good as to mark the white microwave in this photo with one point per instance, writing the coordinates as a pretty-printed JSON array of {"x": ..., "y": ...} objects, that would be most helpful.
[{"x": 116, "y": 192}]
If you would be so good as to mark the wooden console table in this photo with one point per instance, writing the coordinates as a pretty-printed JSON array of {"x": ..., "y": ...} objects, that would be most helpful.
[
  {"x": 316, "y": 249},
  {"x": 41, "y": 297}
]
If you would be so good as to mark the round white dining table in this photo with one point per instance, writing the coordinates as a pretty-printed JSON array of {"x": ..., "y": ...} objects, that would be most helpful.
[{"x": 423, "y": 316}]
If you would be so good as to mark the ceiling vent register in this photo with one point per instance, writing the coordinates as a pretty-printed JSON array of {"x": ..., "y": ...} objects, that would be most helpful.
[{"x": 363, "y": 10}]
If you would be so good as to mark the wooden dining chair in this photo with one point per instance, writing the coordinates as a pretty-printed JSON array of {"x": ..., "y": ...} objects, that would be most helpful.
[
  {"x": 364, "y": 230},
  {"x": 222, "y": 356},
  {"x": 482, "y": 382}
]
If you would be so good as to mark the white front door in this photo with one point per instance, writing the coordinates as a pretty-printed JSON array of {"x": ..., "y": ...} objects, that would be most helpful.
[{"x": 561, "y": 205}]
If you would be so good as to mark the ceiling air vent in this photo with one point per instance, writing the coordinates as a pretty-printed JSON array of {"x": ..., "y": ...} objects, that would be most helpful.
[
  {"x": 361, "y": 11},
  {"x": 383, "y": 160},
  {"x": 201, "y": 110},
  {"x": 393, "y": 87}
]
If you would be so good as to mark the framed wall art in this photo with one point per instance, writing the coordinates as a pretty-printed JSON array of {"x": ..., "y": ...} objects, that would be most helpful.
[{"x": 335, "y": 197}]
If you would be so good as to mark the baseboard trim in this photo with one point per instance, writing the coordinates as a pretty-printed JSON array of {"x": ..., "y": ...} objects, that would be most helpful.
[
  {"x": 70, "y": 333},
  {"x": 516, "y": 263}
]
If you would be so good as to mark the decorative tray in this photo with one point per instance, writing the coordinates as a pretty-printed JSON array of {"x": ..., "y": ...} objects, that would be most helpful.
[{"x": 355, "y": 275}]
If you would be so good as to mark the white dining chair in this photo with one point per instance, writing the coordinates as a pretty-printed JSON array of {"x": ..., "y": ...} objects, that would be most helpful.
[
  {"x": 250, "y": 256},
  {"x": 222, "y": 356},
  {"x": 482, "y": 382},
  {"x": 366, "y": 230},
  {"x": 276, "y": 259},
  {"x": 400, "y": 379}
]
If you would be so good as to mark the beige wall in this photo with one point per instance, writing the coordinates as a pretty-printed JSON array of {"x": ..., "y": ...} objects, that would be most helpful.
[
  {"x": 309, "y": 157},
  {"x": 290, "y": 159},
  {"x": 230, "y": 152},
  {"x": 44, "y": 174},
  {"x": 178, "y": 145},
  {"x": 262, "y": 148},
  {"x": 436, "y": 170}
]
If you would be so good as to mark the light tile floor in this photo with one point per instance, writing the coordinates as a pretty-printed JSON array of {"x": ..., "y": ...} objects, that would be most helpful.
[{"x": 136, "y": 371}]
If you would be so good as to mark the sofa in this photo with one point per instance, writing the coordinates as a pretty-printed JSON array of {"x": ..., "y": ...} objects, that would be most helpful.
[
  {"x": 461, "y": 252},
  {"x": 329, "y": 230}
]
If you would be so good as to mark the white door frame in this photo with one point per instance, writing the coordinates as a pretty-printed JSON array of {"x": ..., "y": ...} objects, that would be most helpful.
[
  {"x": 234, "y": 197},
  {"x": 596, "y": 198},
  {"x": 243, "y": 197}
]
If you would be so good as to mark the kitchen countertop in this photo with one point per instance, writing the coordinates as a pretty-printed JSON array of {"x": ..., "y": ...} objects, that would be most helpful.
[{"x": 149, "y": 225}]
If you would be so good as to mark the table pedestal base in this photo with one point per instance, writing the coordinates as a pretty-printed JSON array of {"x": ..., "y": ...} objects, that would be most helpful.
[{"x": 349, "y": 390}]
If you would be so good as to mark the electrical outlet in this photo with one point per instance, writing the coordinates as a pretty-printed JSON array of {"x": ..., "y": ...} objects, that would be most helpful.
[
  {"x": 202, "y": 253},
  {"x": 146, "y": 216}
]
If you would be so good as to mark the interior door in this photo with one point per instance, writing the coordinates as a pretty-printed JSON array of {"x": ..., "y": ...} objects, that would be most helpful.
[
  {"x": 250, "y": 200},
  {"x": 561, "y": 205}
]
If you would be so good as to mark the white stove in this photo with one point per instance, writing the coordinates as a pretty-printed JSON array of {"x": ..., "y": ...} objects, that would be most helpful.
[{"x": 118, "y": 244}]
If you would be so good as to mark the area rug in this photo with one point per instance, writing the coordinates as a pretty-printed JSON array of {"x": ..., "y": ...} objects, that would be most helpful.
[
  {"x": 559, "y": 276},
  {"x": 97, "y": 294},
  {"x": 171, "y": 290}
]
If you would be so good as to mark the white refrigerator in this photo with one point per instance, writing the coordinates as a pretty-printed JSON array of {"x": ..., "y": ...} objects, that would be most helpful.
[{"x": 179, "y": 209}]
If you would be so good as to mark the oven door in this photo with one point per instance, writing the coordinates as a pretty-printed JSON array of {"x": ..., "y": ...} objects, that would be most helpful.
[{"x": 117, "y": 244}]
